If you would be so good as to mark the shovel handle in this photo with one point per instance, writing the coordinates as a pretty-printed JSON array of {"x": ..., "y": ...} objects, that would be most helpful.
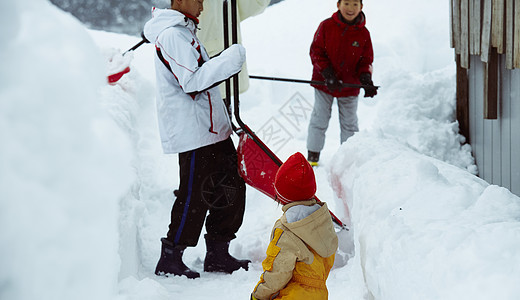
[
  {"x": 346, "y": 85},
  {"x": 143, "y": 41}
]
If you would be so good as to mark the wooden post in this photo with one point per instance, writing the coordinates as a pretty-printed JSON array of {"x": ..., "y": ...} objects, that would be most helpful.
[
  {"x": 497, "y": 28},
  {"x": 516, "y": 37},
  {"x": 462, "y": 100},
  {"x": 464, "y": 33},
  {"x": 486, "y": 31},
  {"x": 491, "y": 86}
]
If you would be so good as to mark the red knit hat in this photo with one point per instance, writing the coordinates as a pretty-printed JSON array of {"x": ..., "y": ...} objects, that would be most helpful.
[{"x": 295, "y": 180}]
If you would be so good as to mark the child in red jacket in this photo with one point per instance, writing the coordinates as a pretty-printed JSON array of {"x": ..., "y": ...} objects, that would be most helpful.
[{"x": 341, "y": 52}]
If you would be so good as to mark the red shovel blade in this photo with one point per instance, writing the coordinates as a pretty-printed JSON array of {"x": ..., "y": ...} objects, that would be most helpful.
[
  {"x": 112, "y": 79},
  {"x": 257, "y": 169}
]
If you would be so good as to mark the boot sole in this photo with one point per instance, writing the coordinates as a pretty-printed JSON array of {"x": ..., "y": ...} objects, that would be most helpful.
[
  {"x": 215, "y": 269},
  {"x": 194, "y": 276}
]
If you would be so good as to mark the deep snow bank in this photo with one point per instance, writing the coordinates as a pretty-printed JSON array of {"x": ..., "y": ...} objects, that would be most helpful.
[
  {"x": 63, "y": 161},
  {"x": 425, "y": 229}
]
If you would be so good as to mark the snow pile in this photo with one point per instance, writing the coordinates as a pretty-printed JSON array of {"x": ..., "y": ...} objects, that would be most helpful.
[
  {"x": 75, "y": 216},
  {"x": 144, "y": 210},
  {"x": 419, "y": 112},
  {"x": 425, "y": 229},
  {"x": 63, "y": 161}
]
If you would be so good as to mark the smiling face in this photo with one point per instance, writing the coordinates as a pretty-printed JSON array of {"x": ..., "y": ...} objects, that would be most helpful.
[
  {"x": 350, "y": 9},
  {"x": 190, "y": 7}
]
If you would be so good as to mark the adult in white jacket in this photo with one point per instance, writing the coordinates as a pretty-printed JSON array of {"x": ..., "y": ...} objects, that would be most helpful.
[
  {"x": 193, "y": 122},
  {"x": 212, "y": 29}
]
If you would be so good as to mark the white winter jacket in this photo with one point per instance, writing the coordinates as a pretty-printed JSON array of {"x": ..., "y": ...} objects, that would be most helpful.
[
  {"x": 191, "y": 112},
  {"x": 212, "y": 28}
]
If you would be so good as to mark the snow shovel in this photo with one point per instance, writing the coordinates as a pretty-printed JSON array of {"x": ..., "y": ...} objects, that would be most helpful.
[
  {"x": 257, "y": 164},
  {"x": 116, "y": 75}
]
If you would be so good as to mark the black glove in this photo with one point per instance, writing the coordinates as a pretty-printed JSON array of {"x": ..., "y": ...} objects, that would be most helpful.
[
  {"x": 332, "y": 82},
  {"x": 366, "y": 79}
]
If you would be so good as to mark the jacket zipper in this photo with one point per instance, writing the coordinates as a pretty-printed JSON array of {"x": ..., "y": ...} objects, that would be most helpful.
[{"x": 211, "y": 114}]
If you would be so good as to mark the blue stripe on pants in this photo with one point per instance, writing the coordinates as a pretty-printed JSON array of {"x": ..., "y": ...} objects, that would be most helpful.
[{"x": 188, "y": 198}]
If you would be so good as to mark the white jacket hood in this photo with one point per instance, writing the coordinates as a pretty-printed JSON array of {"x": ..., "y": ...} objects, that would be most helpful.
[{"x": 162, "y": 19}]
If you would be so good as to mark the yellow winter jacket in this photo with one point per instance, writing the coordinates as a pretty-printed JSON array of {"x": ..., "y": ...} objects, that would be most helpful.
[
  {"x": 211, "y": 33},
  {"x": 299, "y": 257}
]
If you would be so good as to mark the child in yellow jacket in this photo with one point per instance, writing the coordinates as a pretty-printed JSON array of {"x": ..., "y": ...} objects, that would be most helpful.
[{"x": 303, "y": 241}]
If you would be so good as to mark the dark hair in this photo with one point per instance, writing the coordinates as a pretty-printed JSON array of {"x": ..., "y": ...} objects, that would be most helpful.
[{"x": 360, "y": 1}]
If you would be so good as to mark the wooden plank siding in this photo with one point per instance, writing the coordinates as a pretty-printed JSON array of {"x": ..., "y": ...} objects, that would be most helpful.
[
  {"x": 497, "y": 25},
  {"x": 464, "y": 33},
  {"x": 478, "y": 25},
  {"x": 516, "y": 35},
  {"x": 452, "y": 25},
  {"x": 474, "y": 27},
  {"x": 509, "y": 33},
  {"x": 455, "y": 25},
  {"x": 486, "y": 40},
  {"x": 486, "y": 31}
]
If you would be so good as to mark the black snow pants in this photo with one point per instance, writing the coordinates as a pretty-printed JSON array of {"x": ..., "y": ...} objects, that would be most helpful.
[{"x": 209, "y": 181}]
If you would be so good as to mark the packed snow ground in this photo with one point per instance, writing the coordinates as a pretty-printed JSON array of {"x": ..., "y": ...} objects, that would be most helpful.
[{"x": 87, "y": 192}]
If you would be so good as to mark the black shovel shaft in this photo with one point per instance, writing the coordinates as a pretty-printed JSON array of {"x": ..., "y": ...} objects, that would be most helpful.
[
  {"x": 347, "y": 85},
  {"x": 137, "y": 45},
  {"x": 143, "y": 41},
  {"x": 286, "y": 79},
  {"x": 227, "y": 100}
]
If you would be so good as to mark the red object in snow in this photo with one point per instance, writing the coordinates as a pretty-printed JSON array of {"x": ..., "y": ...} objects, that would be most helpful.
[
  {"x": 258, "y": 169},
  {"x": 112, "y": 79}
]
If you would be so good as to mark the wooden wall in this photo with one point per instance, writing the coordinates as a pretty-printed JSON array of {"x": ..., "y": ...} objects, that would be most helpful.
[
  {"x": 486, "y": 38},
  {"x": 477, "y": 26}
]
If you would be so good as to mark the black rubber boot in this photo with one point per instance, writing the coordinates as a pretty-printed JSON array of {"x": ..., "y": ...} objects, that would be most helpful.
[
  {"x": 218, "y": 258},
  {"x": 171, "y": 261}
]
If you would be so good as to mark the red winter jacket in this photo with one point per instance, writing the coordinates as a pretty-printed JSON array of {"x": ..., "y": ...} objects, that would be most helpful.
[{"x": 347, "y": 48}]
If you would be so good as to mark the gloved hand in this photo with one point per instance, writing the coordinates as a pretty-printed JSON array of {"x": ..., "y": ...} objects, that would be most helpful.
[
  {"x": 332, "y": 82},
  {"x": 235, "y": 55},
  {"x": 366, "y": 79}
]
